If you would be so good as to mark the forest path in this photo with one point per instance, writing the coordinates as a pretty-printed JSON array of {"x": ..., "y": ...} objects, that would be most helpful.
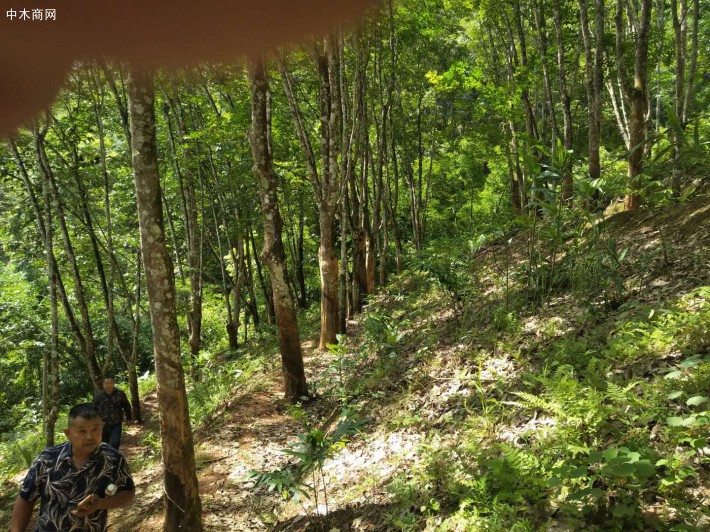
[{"x": 246, "y": 433}]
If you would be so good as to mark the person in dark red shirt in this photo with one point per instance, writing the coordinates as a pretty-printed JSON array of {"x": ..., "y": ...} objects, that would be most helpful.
[{"x": 112, "y": 403}]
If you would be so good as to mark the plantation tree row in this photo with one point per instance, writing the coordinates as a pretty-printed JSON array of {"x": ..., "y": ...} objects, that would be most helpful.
[{"x": 311, "y": 174}]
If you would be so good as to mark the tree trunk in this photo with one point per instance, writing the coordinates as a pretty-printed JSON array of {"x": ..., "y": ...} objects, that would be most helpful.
[
  {"x": 637, "y": 95},
  {"x": 183, "y": 509},
  {"x": 131, "y": 363},
  {"x": 564, "y": 96},
  {"x": 86, "y": 335},
  {"x": 273, "y": 254},
  {"x": 50, "y": 358},
  {"x": 194, "y": 239},
  {"x": 594, "y": 81}
]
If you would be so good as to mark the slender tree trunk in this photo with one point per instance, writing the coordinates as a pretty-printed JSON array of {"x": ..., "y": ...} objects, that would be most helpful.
[
  {"x": 273, "y": 254},
  {"x": 265, "y": 285},
  {"x": 514, "y": 187},
  {"x": 564, "y": 96},
  {"x": 693, "y": 66},
  {"x": 87, "y": 336},
  {"x": 680, "y": 31},
  {"x": 183, "y": 509},
  {"x": 50, "y": 358},
  {"x": 131, "y": 363},
  {"x": 594, "y": 80},
  {"x": 300, "y": 260},
  {"x": 638, "y": 96},
  {"x": 251, "y": 305},
  {"x": 194, "y": 240},
  {"x": 50, "y": 380}
]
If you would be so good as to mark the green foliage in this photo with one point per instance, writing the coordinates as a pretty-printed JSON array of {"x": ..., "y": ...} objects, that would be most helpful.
[
  {"x": 206, "y": 394},
  {"x": 311, "y": 451}
]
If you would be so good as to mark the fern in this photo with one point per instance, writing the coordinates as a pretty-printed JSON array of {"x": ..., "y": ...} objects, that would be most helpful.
[
  {"x": 616, "y": 393},
  {"x": 536, "y": 402}
]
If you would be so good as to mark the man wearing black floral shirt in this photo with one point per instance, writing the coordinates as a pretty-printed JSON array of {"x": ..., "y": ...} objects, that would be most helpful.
[
  {"x": 112, "y": 403},
  {"x": 82, "y": 469}
]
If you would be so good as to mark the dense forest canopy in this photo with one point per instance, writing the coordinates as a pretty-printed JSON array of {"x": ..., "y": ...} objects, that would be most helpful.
[{"x": 293, "y": 186}]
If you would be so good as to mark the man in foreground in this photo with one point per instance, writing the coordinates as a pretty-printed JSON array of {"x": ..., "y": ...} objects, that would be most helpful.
[
  {"x": 112, "y": 403},
  {"x": 76, "y": 482}
]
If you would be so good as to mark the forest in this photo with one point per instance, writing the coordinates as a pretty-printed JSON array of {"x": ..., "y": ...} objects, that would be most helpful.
[{"x": 444, "y": 269}]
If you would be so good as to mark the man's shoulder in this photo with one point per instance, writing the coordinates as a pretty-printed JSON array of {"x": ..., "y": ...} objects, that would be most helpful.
[
  {"x": 51, "y": 454},
  {"x": 110, "y": 453}
]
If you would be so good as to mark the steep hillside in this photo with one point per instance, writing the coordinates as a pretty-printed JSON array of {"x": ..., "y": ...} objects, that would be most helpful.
[{"x": 476, "y": 399}]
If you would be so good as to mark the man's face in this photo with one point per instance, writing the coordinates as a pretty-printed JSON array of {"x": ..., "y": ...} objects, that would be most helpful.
[
  {"x": 84, "y": 434},
  {"x": 109, "y": 385}
]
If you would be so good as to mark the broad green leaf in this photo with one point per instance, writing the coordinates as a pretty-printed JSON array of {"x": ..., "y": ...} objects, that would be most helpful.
[
  {"x": 579, "y": 472},
  {"x": 699, "y": 443},
  {"x": 633, "y": 457},
  {"x": 696, "y": 400},
  {"x": 644, "y": 469},
  {"x": 622, "y": 510},
  {"x": 609, "y": 454},
  {"x": 674, "y": 421},
  {"x": 675, "y": 395},
  {"x": 690, "y": 363},
  {"x": 553, "y": 482},
  {"x": 674, "y": 375},
  {"x": 621, "y": 470},
  {"x": 586, "y": 492}
]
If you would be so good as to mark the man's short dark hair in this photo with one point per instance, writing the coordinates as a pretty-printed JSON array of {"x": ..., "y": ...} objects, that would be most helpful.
[
  {"x": 110, "y": 376},
  {"x": 83, "y": 410}
]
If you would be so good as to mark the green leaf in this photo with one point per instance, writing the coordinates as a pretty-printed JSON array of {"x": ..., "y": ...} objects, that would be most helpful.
[
  {"x": 698, "y": 443},
  {"x": 674, "y": 421},
  {"x": 578, "y": 472},
  {"x": 622, "y": 510},
  {"x": 610, "y": 454},
  {"x": 586, "y": 492},
  {"x": 674, "y": 375},
  {"x": 644, "y": 469},
  {"x": 553, "y": 482},
  {"x": 621, "y": 470},
  {"x": 675, "y": 395},
  {"x": 696, "y": 400},
  {"x": 595, "y": 457},
  {"x": 633, "y": 457}
]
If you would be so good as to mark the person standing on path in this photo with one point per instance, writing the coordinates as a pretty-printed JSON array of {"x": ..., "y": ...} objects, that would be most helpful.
[
  {"x": 112, "y": 403},
  {"x": 76, "y": 482}
]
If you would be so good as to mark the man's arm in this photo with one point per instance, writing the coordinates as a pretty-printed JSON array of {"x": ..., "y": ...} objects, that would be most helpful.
[
  {"x": 126, "y": 406},
  {"x": 122, "y": 498},
  {"x": 21, "y": 514}
]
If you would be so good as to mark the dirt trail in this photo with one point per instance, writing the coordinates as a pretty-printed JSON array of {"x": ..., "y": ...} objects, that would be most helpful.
[{"x": 247, "y": 434}]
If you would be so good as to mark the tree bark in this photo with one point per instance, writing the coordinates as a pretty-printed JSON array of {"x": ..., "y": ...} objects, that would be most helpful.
[
  {"x": 183, "y": 509},
  {"x": 273, "y": 254},
  {"x": 638, "y": 96},
  {"x": 564, "y": 96}
]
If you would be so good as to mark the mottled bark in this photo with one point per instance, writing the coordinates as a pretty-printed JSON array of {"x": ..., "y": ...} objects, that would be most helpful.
[
  {"x": 183, "y": 510},
  {"x": 593, "y": 51},
  {"x": 273, "y": 254},
  {"x": 565, "y": 98},
  {"x": 637, "y": 95}
]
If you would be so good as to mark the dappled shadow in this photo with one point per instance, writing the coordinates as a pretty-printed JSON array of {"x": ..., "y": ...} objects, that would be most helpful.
[{"x": 370, "y": 517}]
